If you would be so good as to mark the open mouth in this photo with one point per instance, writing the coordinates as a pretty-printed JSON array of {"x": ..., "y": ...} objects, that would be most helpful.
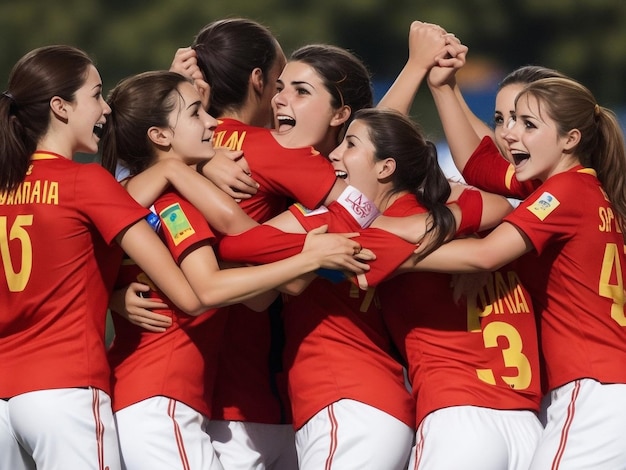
[
  {"x": 519, "y": 158},
  {"x": 97, "y": 130},
  {"x": 283, "y": 121},
  {"x": 341, "y": 174}
]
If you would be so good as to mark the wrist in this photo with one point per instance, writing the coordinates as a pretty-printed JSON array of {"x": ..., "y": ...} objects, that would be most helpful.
[{"x": 200, "y": 166}]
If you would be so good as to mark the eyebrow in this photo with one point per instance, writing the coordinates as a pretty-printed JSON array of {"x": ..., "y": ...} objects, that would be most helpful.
[
  {"x": 296, "y": 82},
  {"x": 353, "y": 136},
  {"x": 195, "y": 103}
]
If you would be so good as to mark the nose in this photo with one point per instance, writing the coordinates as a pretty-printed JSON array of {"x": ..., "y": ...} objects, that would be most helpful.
[
  {"x": 508, "y": 130},
  {"x": 106, "y": 109},
  {"x": 279, "y": 98},
  {"x": 336, "y": 154},
  {"x": 209, "y": 121}
]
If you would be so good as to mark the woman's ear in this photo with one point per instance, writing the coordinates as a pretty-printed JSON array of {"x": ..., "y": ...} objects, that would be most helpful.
[
  {"x": 160, "y": 136},
  {"x": 257, "y": 81},
  {"x": 386, "y": 167},
  {"x": 59, "y": 107},
  {"x": 341, "y": 116},
  {"x": 572, "y": 139}
]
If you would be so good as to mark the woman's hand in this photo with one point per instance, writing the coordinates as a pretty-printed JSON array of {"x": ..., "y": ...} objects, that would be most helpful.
[
  {"x": 129, "y": 304},
  {"x": 230, "y": 172}
]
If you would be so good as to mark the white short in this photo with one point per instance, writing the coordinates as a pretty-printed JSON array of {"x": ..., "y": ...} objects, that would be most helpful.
[
  {"x": 160, "y": 432},
  {"x": 586, "y": 428},
  {"x": 243, "y": 445},
  {"x": 60, "y": 428},
  {"x": 349, "y": 434},
  {"x": 475, "y": 438}
]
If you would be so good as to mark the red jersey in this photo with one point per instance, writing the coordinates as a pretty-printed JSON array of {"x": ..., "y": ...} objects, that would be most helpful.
[
  {"x": 59, "y": 266},
  {"x": 250, "y": 385},
  {"x": 179, "y": 363},
  {"x": 337, "y": 347},
  {"x": 577, "y": 281},
  {"x": 488, "y": 170},
  {"x": 284, "y": 174},
  {"x": 480, "y": 351},
  {"x": 337, "y": 344}
]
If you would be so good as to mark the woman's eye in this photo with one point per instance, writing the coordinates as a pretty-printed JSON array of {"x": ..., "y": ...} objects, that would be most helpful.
[{"x": 498, "y": 120}]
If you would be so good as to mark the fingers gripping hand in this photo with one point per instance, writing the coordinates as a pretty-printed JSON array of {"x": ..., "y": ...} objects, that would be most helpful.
[
  {"x": 138, "y": 309},
  {"x": 230, "y": 172},
  {"x": 426, "y": 43},
  {"x": 337, "y": 251},
  {"x": 186, "y": 63},
  {"x": 448, "y": 63}
]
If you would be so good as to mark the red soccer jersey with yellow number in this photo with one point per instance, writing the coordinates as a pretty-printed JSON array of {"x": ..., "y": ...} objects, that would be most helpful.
[
  {"x": 577, "y": 281},
  {"x": 59, "y": 266},
  {"x": 180, "y": 362},
  {"x": 480, "y": 351}
]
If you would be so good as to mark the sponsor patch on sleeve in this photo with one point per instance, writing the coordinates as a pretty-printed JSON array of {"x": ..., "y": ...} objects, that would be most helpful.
[
  {"x": 308, "y": 212},
  {"x": 176, "y": 223},
  {"x": 544, "y": 205}
]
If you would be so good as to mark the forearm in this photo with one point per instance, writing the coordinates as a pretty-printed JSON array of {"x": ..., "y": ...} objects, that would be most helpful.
[
  {"x": 480, "y": 128},
  {"x": 149, "y": 252},
  {"x": 218, "y": 208},
  {"x": 230, "y": 286},
  {"x": 460, "y": 135},
  {"x": 402, "y": 92}
]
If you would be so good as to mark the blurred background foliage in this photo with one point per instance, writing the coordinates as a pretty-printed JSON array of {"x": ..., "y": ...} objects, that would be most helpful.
[{"x": 585, "y": 39}]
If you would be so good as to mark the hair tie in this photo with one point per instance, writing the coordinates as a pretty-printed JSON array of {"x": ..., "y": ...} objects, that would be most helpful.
[{"x": 9, "y": 95}]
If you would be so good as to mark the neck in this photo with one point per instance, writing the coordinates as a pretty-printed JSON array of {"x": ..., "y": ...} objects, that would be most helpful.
[{"x": 387, "y": 198}]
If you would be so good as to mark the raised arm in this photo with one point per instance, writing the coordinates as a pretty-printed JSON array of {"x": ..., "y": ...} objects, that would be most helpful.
[
  {"x": 427, "y": 42},
  {"x": 462, "y": 128}
]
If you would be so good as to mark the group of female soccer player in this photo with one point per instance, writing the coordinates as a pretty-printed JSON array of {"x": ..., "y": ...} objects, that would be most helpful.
[{"x": 389, "y": 315}]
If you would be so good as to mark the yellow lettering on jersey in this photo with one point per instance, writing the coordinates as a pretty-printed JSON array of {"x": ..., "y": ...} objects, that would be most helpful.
[
  {"x": 233, "y": 142},
  {"x": 500, "y": 295},
  {"x": 32, "y": 192},
  {"x": 607, "y": 217},
  {"x": 519, "y": 299}
]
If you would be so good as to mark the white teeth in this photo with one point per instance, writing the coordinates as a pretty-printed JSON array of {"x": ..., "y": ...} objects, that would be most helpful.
[
  {"x": 286, "y": 120},
  {"x": 341, "y": 174}
]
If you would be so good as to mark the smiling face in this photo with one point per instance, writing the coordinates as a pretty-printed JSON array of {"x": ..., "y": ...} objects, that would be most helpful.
[
  {"x": 303, "y": 113},
  {"x": 537, "y": 149},
  {"x": 355, "y": 160},
  {"x": 191, "y": 128},
  {"x": 87, "y": 114}
]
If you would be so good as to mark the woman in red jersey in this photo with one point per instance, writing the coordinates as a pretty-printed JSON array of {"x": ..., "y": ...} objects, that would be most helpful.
[
  {"x": 573, "y": 222},
  {"x": 162, "y": 382},
  {"x": 60, "y": 226}
]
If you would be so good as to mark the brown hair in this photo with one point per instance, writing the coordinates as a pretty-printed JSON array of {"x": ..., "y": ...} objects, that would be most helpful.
[
  {"x": 137, "y": 104},
  {"x": 25, "y": 107}
]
